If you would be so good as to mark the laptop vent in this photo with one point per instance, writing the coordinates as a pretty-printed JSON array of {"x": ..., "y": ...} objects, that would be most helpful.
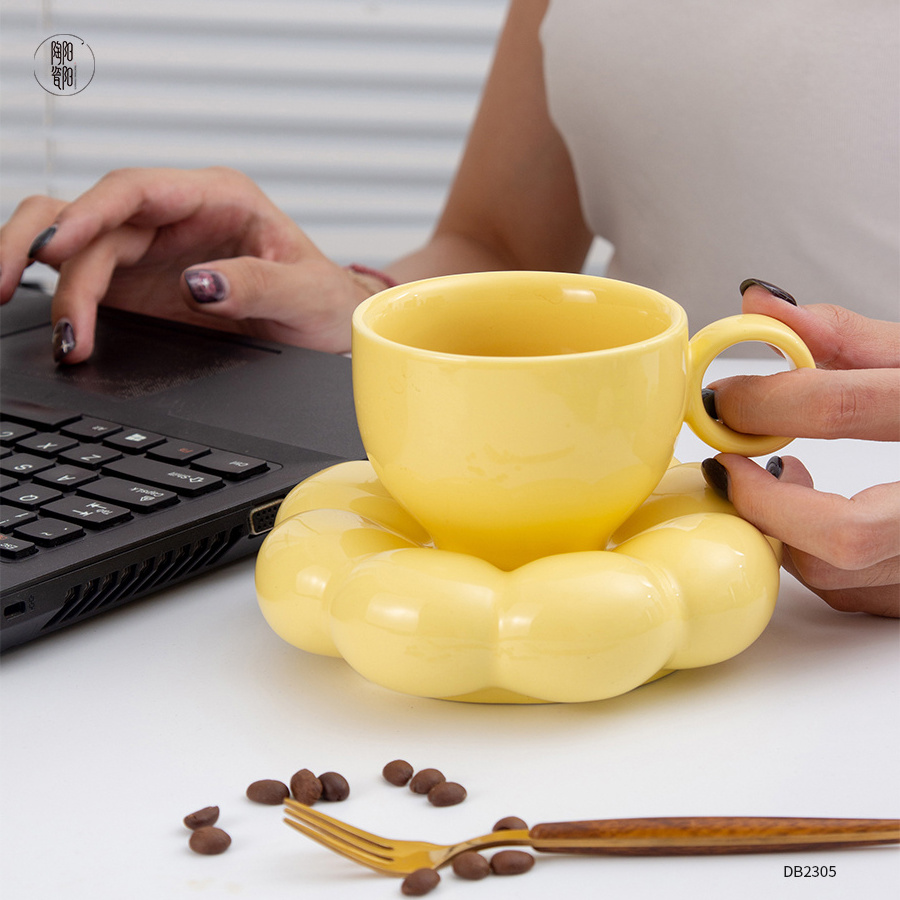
[{"x": 154, "y": 572}]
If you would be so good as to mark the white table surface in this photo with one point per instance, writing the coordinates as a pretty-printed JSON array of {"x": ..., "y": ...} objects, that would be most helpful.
[{"x": 114, "y": 730}]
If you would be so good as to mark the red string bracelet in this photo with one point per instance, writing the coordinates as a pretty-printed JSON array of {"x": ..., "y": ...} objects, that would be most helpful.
[{"x": 384, "y": 278}]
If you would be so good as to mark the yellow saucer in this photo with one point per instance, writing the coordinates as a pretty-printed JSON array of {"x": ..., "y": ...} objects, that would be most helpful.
[{"x": 347, "y": 572}]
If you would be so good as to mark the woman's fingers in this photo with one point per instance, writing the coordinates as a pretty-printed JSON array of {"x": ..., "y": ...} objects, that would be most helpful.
[
  {"x": 823, "y": 576},
  {"x": 846, "y": 550},
  {"x": 32, "y": 217},
  {"x": 307, "y": 303},
  {"x": 853, "y": 533},
  {"x": 877, "y": 601},
  {"x": 813, "y": 403},
  {"x": 83, "y": 283},
  {"x": 140, "y": 197},
  {"x": 836, "y": 337},
  {"x": 853, "y": 393}
]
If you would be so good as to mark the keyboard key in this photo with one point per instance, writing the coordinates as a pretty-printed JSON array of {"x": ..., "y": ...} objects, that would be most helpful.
[
  {"x": 90, "y": 513},
  {"x": 177, "y": 452},
  {"x": 90, "y": 430},
  {"x": 230, "y": 465},
  {"x": 12, "y": 548},
  {"x": 7, "y": 481},
  {"x": 136, "y": 497},
  {"x": 185, "y": 482},
  {"x": 92, "y": 457},
  {"x": 29, "y": 496},
  {"x": 24, "y": 465},
  {"x": 134, "y": 441},
  {"x": 44, "y": 417},
  {"x": 46, "y": 444},
  {"x": 49, "y": 532},
  {"x": 10, "y": 432},
  {"x": 66, "y": 478},
  {"x": 11, "y": 516}
]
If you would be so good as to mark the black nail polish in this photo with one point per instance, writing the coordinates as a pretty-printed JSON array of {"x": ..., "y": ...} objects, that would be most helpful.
[
  {"x": 716, "y": 476},
  {"x": 206, "y": 286},
  {"x": 775, "y": 466},
  {"x": 63, "y": 340},
  {"x": 41, "y": 241},
  {"x": 771, "y": 288},
  {"x": 709, "y": 403}
]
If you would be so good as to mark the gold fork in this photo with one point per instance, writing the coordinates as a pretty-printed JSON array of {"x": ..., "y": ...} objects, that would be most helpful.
[{"x": 630, "y": 837}]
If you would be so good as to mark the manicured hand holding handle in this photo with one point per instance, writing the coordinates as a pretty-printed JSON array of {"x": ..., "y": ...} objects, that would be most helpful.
[{"x": 846, "y": 550}]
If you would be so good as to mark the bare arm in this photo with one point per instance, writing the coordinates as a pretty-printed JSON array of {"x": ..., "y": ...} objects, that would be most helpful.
[{"x": 514, "y": 202}]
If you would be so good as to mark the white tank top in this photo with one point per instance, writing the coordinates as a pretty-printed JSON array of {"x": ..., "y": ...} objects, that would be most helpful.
[{"x": 717, "y": 141}]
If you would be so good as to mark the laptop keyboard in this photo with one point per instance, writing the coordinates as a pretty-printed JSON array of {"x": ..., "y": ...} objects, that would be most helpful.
[{"x": 64, "y": 476}]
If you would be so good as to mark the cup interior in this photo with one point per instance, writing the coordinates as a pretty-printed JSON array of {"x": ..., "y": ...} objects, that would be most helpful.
[{"x": 516, "y": 314}]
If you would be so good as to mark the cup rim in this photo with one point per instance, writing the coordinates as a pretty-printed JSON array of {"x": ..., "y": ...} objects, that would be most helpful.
[{"x": 361, "y": 328}]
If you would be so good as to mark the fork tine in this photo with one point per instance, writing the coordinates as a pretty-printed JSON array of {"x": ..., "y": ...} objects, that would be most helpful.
[
  {"x": 354, "y": 837},
  {"x": 379, "y": 863}
]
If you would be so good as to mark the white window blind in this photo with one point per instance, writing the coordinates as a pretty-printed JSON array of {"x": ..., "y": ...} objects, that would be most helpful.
[{"x": 351, "y": 114}]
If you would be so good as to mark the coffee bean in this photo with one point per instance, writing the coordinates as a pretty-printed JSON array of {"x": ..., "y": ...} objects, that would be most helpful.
[
  {"x": 510, "y": 823},
  {"x": 471, "y": 865},
  {"x": 447, "y": 793},
  {"x": 420, "y": 882},
  {"x": 209, "y": 815},
  {"x": 209, "y": 840},
  {"x": 306, "y": 787},
  {"x": 397, "y": 772},
  {"x": 423, "y": 781},
  {"x": 334, "y": 786},
  {"x": 268, "y": 791},
  {"x": 511, "y": 862}
]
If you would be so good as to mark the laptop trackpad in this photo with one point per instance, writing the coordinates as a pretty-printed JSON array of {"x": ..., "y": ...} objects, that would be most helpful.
[{"x": 227, "y": 381}]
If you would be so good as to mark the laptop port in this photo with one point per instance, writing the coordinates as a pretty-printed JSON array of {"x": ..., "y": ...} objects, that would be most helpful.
[
  {"x": 13, "y": 610},
  {"x": 262, "y": 518}
]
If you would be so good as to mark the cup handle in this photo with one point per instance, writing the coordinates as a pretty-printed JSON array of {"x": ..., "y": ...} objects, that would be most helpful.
[{"x": 705, "y": 346}]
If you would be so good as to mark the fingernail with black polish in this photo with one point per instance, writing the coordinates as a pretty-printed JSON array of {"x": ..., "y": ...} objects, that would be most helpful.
[
  {"x": 63, "y": 339},
  {"x": 709, "y": 403},
  {"x": 775, "y": 466},
  {"x": 41, "y": 241},
  {"x": 716, "y": 476},
  {"x": 206, "y": 286},
  {"x": 771, "y": 288}
]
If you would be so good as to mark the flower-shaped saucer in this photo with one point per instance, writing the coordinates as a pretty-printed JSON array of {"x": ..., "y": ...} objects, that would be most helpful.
[{"x": 685, "y": 582}]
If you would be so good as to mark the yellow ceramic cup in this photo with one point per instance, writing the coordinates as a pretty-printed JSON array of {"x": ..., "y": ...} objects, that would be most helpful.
[{"x": 518, "y": 415}]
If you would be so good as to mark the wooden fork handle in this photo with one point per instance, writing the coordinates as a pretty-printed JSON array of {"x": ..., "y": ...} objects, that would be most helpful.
[{"x": 710, "y": 835}]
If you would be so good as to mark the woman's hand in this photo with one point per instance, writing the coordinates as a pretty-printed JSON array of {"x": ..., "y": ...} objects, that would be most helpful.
[
  {"x": 204, "y": 246},
  {"x": 129, "y": 240},
  {"x": 846, "y": 550}
]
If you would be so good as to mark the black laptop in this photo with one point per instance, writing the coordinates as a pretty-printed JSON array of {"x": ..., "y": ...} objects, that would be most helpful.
[{"x": 163, "y": 456}]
